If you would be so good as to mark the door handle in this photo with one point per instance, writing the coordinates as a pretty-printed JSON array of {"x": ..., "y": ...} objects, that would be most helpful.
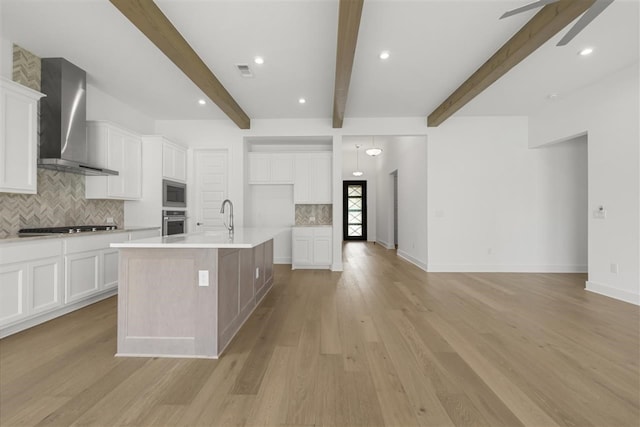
[{"x": 199, "y": 223}]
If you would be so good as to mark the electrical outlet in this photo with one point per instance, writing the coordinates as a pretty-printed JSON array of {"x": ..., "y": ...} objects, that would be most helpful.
[
  {"x": 109, "y": 220},
  {"x": 312, "y": 219},
  {"x": 489, "y": 251},
  {"x": 203, "y": 277},
  {"x": 614, "y": 268}
]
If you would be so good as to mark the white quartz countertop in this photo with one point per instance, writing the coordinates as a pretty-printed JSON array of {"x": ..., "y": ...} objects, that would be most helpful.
[{"x": 218, "y": 239}]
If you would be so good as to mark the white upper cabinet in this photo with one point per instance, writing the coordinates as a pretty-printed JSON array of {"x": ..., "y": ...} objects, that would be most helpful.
[
  {"x": 270, "y": 168},
  {"x": 312, "y": 184},
  {"x": 174, "y": 161},
  {"x": 18, "y": 137},
  {"x": 113, "y": 147}
]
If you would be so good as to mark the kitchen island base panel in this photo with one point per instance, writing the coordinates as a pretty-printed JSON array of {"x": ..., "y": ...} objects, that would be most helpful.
[{"x": 164, "y": 310}]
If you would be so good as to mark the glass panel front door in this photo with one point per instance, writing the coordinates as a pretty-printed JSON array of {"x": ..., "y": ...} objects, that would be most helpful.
[{"x": 355, "y": 210}]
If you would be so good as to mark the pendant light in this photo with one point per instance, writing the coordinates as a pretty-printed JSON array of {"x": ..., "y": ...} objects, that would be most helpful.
[
  {"x": 373, "y": 151},
  {"x": 357, "y": 172}
]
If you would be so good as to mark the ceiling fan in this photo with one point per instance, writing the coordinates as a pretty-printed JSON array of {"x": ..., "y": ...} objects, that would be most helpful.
[{"x": 584, "y": 20}]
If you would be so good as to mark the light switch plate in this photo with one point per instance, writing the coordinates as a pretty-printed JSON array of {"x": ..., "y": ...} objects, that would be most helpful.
[{"x": 203, "y": 277}]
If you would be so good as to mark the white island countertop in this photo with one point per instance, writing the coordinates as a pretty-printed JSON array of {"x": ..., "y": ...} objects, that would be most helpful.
[{"x": 218, "y": 239}]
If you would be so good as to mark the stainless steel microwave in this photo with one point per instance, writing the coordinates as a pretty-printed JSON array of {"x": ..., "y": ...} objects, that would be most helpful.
[{"x": 174, "y": 194}]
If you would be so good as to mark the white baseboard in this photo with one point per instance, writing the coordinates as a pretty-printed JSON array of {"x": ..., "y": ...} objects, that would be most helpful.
[
  {"x": 50, "y": 315},
  {"x": 282, "y": 260},
  {"x": 385, "y": 244},
  {"x": 405, "y": 256},
  {"x": 481, "y": 268},
  {"x": 614, "y": 293}
]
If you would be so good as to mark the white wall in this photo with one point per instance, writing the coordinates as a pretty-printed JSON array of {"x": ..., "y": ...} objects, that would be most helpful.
[
  {"x": 496, "y": 205},
  {"x": 101, "y": 106},
  {"x": 6, "y": 58},
  {"x": 408, "y": 156},
  {"x": 608, "y": 113}
]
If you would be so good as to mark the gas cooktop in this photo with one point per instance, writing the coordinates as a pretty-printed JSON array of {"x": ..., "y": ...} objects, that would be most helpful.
[{"x": 72, "y": 229}]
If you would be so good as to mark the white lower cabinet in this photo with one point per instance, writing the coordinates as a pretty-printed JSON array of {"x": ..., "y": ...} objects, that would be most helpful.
[
  {"x": 30, "y": 280},
  {"x": 13, "y": 290},
  {"x": 82, "y": 276},
  {"x": 41, "y": 279},
  {"x": 109, "y": 268},
  {"x": 91, "y": 265},
  {"x": 311, "y": 247},
  {"x": 46, "y": 284}
]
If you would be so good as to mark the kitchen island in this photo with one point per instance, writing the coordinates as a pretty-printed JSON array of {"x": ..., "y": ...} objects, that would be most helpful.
[{"x": 187, "y": 295}]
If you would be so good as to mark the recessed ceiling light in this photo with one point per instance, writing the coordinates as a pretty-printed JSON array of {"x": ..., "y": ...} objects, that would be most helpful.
[
  {"x": 302, "y": 101},
  {"x": 384, "y": 54},
  {"x": 586, "y": 51},
  {"x": 258, "y": 60},
  {"x": 552, "y": 96},
  {"x": 202, "y": 102}
]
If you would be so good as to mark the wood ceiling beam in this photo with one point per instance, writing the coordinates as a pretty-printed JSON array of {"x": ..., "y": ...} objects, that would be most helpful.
[
  {"x": 149, "y": 19},
  {"x": 545, "y": 24},
  {"x": 349, "y": 15}
]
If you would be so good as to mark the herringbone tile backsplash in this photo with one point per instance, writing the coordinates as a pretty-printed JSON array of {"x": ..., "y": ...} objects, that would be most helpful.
[{"x": 60, "y": 201}]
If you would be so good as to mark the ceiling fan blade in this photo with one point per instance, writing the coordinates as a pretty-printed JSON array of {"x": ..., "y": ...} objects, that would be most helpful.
[
  {"x": 526, "y": 7},
  {"x": 584, "y": 20}
]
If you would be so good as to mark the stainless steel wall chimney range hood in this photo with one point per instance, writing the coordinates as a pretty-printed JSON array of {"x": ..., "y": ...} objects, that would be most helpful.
[{"x": 63, "y": 128}]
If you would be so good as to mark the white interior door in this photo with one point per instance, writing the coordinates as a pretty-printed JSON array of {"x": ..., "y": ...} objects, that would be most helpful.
[{"x": 211, "y": 178}]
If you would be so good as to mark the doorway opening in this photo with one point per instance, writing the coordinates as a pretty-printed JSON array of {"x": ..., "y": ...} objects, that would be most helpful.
[
  {"x": 354, "y": 208},
  {"x": 394, "y": 176}
]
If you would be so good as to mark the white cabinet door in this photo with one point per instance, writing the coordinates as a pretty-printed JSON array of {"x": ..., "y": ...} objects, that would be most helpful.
[
  {"x": 281, "y": 168},
  {"x": 271, "y": 168},
  {"x": 115, "y": 161},
  {"x": 311, "y": 247},
  {"x": 302, "y": 250},
  {"x": 180, "y": 165},
  {"x": 82, "y": 276},
  {"x": 301, "y": 183},
  {"x": 321, "y": 251},
  {"x": 174, "y": 162},
  {"x": 13, "y": 291},
  {"x": 45, "y": 284},
  {"x": 18, "y": 138},
  {"x": 320, "y": 178},
  {"x": 132, "y": 168},
  {"x": 109, "y": 268},
  {"x": 312, "y": 184},
  {"x": 117, "y": 149},
  {"x": 259, "y": 168}
]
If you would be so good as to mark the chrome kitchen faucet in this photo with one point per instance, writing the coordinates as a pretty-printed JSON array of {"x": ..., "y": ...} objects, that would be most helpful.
[{"x": 230, "y": 226}]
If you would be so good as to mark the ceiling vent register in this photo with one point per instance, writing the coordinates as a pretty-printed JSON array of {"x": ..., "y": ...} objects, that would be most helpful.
[{"x": 245, "y": 71}]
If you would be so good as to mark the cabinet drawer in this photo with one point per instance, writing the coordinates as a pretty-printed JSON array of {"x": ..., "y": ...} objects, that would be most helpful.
[
  {"x": 35, "y": 249},
  {"x": 303, "y": 231},
  {"x": 92, "y": 243}
]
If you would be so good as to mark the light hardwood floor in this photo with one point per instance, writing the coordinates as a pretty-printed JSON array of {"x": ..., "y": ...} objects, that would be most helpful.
[{"x": 383, "y": 343}]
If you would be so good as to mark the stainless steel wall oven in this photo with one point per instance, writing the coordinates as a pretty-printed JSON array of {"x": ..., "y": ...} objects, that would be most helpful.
[{"x": 174, "y": 222}]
